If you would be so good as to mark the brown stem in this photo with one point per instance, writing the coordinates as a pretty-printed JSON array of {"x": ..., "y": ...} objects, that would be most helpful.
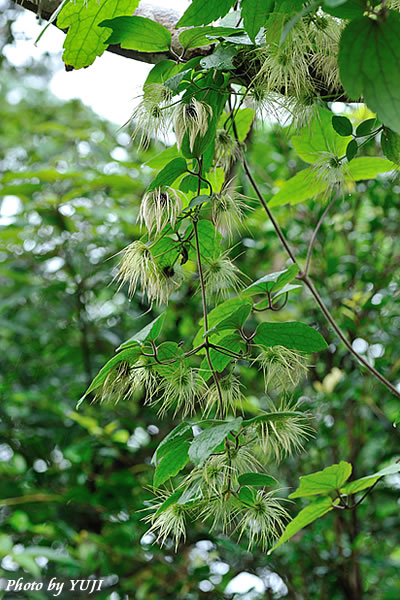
[
  {"x": 345, "y": 341},
  {"x": 304, "y": 277},
  {"x": 315, "y": 232},
  {"x": 205, "y": 316}
]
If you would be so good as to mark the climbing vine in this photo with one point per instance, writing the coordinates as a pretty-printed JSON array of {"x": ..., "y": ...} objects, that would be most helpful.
[{"x": 291, "y": 60}]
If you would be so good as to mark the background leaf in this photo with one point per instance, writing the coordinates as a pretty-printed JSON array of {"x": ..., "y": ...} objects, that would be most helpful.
[
  {"x": 256, "y": 479},
  {"x": 85, "y": 40},
  {"x": 254, "y": 14},
  {"x": 202, "y": 12},
  {"x": 330, "y": 479},
  {"x": 311, "y": 513},
  {"x": 369, "y": 59},
  {"x": 138, "y": 33},
  {"x": 205, "y": 443},
  {"x": 290, "y": 335}
]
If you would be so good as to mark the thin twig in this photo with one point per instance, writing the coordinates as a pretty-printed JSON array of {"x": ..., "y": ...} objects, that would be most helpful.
[{"x": 315, "y": 232}]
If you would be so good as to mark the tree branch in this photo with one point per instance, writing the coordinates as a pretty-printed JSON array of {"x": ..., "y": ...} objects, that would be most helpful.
[{"x": 166, "y": 17}]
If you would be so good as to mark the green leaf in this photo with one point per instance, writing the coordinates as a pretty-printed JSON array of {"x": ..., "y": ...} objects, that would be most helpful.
[
  {"x": 369, "y": 58},
  {"x": 205, "y": 443},
  {"x": 272, "y": 282},
  {"x": 149, "y": 333},
  {"x": 352, "y": 9},
  {"x": 365, "y": 127},
  {"x": 129, "y": 355},
  {"x": 390, "y": 142},
  {"x": 319, "y": 137},
  {"x": 161, "y": 160},
  {"x": 283, "y": 13},
  {"x": 169, "y": 173},
  {"x": 243, "y": 121},
  {"x": 209, "y": 240},
  {"x": 351, "y": 150},
  {"x": 265, "y": 302},
  {"x": 221, "y": 59},
  {"x": 195, "y": 37},
  {"x": 171, "y": 464},
  {"x": 218, "y": 314},
  {"x": 168, "y": 352},
  {"x": 181, "y": 433},
  {"x": 172, "y": 499},
  {"x": 160, "y": 73},
  {"x": 202, "y": 12},
  {"x": 273, "y": 416},
  {"x": 306, "y": 516},
  {"x": 367, "y": 167},
  {"x": 290, "y": 335},
  {"x": 198, "y": 201},
  {"x": 254, "y": 14},
  {"x": 256, "y": 479},
  {"x": 26, "y": 562},
  {"x": 165, "y": 251},
  {"x": 288, "y": 26},
  {"x": 330, "y": 479},
  {"x": 342, "y": 125},
  {"x": 85, "y": 40},
  {"x": 305, "y": 184},
  {"x": 138, "y": 33},
  {"x": 365, "y": 482},
  {"x": 216, "y": 99},
  {"x": 233, "y": 321},
  {"x": 174, "y": 82},
  {"x": 247, "y": 495}
]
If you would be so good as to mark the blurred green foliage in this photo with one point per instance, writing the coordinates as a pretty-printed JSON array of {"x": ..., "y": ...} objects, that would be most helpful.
[{"x": 72, "y": 483}]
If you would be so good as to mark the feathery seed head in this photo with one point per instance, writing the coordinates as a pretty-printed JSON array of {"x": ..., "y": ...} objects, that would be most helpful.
[
  {"x": 191, "y": 118},
  {"x": 170, "y": 523},
  {"x": 146, "y": 377},
  {"x": 282, "y": 436},
  {"x": 263, "y": 520},
  {"x": 181, "y": 389},
  {"x": 227, "y": 398},
  {"x": 159, "y": 207},
  {"x": 152, "y": 117},
  {"x": 283, "y": 367},
  {"x": 228, "y": 209},
  {"x": 227, "y": 149},
  {"x": 138, "y": 265},
  {"x": 221, "y": 276},
  {"x": 118, "y": 384}
]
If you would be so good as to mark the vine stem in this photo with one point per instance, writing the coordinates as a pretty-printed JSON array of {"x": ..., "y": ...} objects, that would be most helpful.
[
  {"x": 343, "y": 338},
  {"x": 303, "y": 276},
  {"x": 205, "y": 315},
  {"x": 315, "y": 233},
  {"x": 265, "y": 206}
]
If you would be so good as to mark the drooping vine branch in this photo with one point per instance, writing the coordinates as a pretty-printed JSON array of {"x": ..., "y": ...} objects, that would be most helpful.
[{"x": 303, "y": 276}]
